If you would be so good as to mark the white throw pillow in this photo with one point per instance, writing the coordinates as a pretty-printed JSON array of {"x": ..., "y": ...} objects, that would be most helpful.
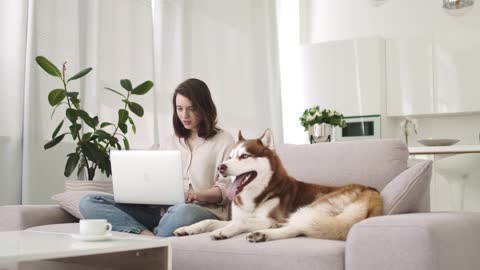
[{"x": 70, "y": 200}]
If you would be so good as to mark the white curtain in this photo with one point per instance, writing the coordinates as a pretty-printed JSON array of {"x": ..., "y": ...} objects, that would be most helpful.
[
  {"x": 13, "y": 32},
  {"x": 232, "y": 46},
  {"x": 229, "y": 44},
  {"x": 114, "y": 37}
]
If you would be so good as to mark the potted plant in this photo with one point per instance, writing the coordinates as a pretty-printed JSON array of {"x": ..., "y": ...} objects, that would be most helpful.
[
  {"x": 320, "y": 123},
  {"x": 94, "y": 139}
]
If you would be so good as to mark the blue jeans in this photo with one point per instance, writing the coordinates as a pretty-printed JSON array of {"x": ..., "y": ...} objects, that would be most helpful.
[{"x": 135, "y": 218}]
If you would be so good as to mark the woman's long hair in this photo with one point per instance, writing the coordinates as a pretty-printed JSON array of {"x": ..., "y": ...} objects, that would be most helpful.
[{"x": 198, "y": 93}]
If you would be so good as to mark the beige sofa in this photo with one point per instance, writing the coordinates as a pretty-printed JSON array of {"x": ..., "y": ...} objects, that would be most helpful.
[{"x": 407, "y": 237}]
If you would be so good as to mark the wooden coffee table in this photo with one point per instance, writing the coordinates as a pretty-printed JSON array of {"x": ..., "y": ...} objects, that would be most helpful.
[{"x": 45, "y": 250}]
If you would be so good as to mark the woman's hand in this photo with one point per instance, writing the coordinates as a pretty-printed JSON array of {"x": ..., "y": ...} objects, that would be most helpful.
[
  {"x": 191, "y": 197},
  {"x": 211, "y": 195}
]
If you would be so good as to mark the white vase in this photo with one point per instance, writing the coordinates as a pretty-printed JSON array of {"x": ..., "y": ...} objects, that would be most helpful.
[{"x": 319, "y": 133}]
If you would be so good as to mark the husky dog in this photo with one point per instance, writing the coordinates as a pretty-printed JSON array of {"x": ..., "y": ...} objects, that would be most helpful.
[{"x": 269, "y": 204}]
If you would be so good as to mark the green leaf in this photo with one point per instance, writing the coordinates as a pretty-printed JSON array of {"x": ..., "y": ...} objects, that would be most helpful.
[
  {"x": 108, "y": 168},
  {"x": 102, "y": 148},
  {"x": 127, "y": 145},
  {"x": 126, "y": 84},
  {"x": 92, "y": 152},
  {"x": 72, "y": 115},
  {"x": 73, "y": 94},
  {"x": 53, "y": 142},
  {"x": 76, "y": 102},
  {"x": 143, "y": 88},
  {"x": 123, "y": 127},
  {"x": 91, "y": 122},
  {"x": 72, "y": 162},
  {"x": 102, "y": 135},
  {"x": 57, "y": 129},
  {"x": 134, "y": 129},
  {"x": 122, "y": 116},
  {"x": 116, "y": 92},
  {"x": 95, "y": 120},
  {"x": 113, "y": 140},
  {"x": 136, "y": 108},
  {"x": 48, "y": 66},
  {"x": 105, "y": 166},
  {"x": 56, "y": 96},
  {"x": 86, "y": 136},
  {"x": 75, "y": 129},
  {"x": 105, "y": 124},
  {"x": 80, "y": 74}
]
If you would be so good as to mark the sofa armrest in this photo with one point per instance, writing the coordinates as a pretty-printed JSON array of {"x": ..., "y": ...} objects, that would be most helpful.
[
  {"x": 20, "y": 217},
  {"x": 409, "y": 192},
  {"x": 428, "y": 241}
]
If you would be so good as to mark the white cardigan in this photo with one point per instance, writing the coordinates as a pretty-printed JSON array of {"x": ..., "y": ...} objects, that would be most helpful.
[{"x": 200, "y": 166}]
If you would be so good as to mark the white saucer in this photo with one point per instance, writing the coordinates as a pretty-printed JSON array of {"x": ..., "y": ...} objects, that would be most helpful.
[{"x": 104, "y": 237}]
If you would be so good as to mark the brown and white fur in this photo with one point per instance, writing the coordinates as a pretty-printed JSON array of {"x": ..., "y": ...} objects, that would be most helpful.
[{"x": 270, "y": 204}]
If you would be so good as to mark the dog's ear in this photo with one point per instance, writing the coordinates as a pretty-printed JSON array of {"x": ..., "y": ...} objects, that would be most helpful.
[
  {"x": 240, "y": 137},
  {"x": 267, "y": 139}
]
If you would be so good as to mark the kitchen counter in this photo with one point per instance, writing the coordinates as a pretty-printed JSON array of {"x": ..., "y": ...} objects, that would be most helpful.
[{"x": 453, "y": 149}]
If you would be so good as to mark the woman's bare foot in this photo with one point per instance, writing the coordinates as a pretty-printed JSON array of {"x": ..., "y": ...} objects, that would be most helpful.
[{"x": 146, "y": 232}]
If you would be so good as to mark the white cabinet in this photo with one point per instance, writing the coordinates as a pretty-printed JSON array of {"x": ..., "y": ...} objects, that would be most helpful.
[
  {"x": 344, "y": 75},
  {"x": 456, "y": 72},
  {"x": 436, "y": 73},
  {"x": 409, "y": 76}
]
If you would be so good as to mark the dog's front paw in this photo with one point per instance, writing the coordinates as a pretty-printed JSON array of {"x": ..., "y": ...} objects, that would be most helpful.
[
  {"x": 183, "y": 231},
  {"x": 256, "y": 237},
  {"x": 218, "y": 235}
]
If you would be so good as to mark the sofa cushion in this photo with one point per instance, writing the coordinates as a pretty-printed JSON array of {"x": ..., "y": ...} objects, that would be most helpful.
[
  {"x": 409, "y": 191},
  {"x": 369, "y": 162},
  {"x": 200, "y": 252},
  {"x": 70, "y": 200}
]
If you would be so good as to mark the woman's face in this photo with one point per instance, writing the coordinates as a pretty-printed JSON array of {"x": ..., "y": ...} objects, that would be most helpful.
[{"x": 187, "y": 114}]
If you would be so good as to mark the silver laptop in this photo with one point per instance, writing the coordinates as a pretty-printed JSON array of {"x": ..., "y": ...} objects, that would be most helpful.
[{"x": 147, "y": 177}]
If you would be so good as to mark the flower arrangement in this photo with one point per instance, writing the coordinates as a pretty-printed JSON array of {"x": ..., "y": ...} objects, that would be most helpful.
[
  {"x": 409, "y": 126},
  {"x": 314, "y": 115}
]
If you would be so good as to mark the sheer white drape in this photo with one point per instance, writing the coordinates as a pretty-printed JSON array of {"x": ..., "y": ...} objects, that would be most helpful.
[
  {"x": 112, "y": 36},
  {"x": 230, "y": 44},
  {"x": 13, "y": 32}
]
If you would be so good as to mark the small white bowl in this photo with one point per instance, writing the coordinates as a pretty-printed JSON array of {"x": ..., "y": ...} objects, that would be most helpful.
[{"x": 438, "y": 142}]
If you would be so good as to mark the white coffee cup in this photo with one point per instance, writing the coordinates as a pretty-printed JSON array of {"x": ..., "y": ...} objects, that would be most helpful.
[{"x": 94, "y": 227}]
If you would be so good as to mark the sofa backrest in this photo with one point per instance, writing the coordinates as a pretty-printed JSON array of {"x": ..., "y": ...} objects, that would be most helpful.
[{"x": 368, "y": 162}]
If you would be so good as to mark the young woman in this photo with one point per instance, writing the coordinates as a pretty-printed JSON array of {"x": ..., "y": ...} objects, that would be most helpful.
[{"x": 203, "y": 146}]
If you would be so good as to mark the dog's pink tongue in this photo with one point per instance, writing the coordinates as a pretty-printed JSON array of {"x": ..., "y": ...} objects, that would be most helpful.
[{"x": 233, "y": 188}]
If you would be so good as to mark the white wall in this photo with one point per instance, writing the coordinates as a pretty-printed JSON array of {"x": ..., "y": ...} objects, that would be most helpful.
[{"x": 325, "y": 20}]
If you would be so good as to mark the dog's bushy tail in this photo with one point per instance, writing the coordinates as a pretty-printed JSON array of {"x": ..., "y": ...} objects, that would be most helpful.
[
  {"x": 365, "y": 203},
  {"x": 375, "y": 204}
]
